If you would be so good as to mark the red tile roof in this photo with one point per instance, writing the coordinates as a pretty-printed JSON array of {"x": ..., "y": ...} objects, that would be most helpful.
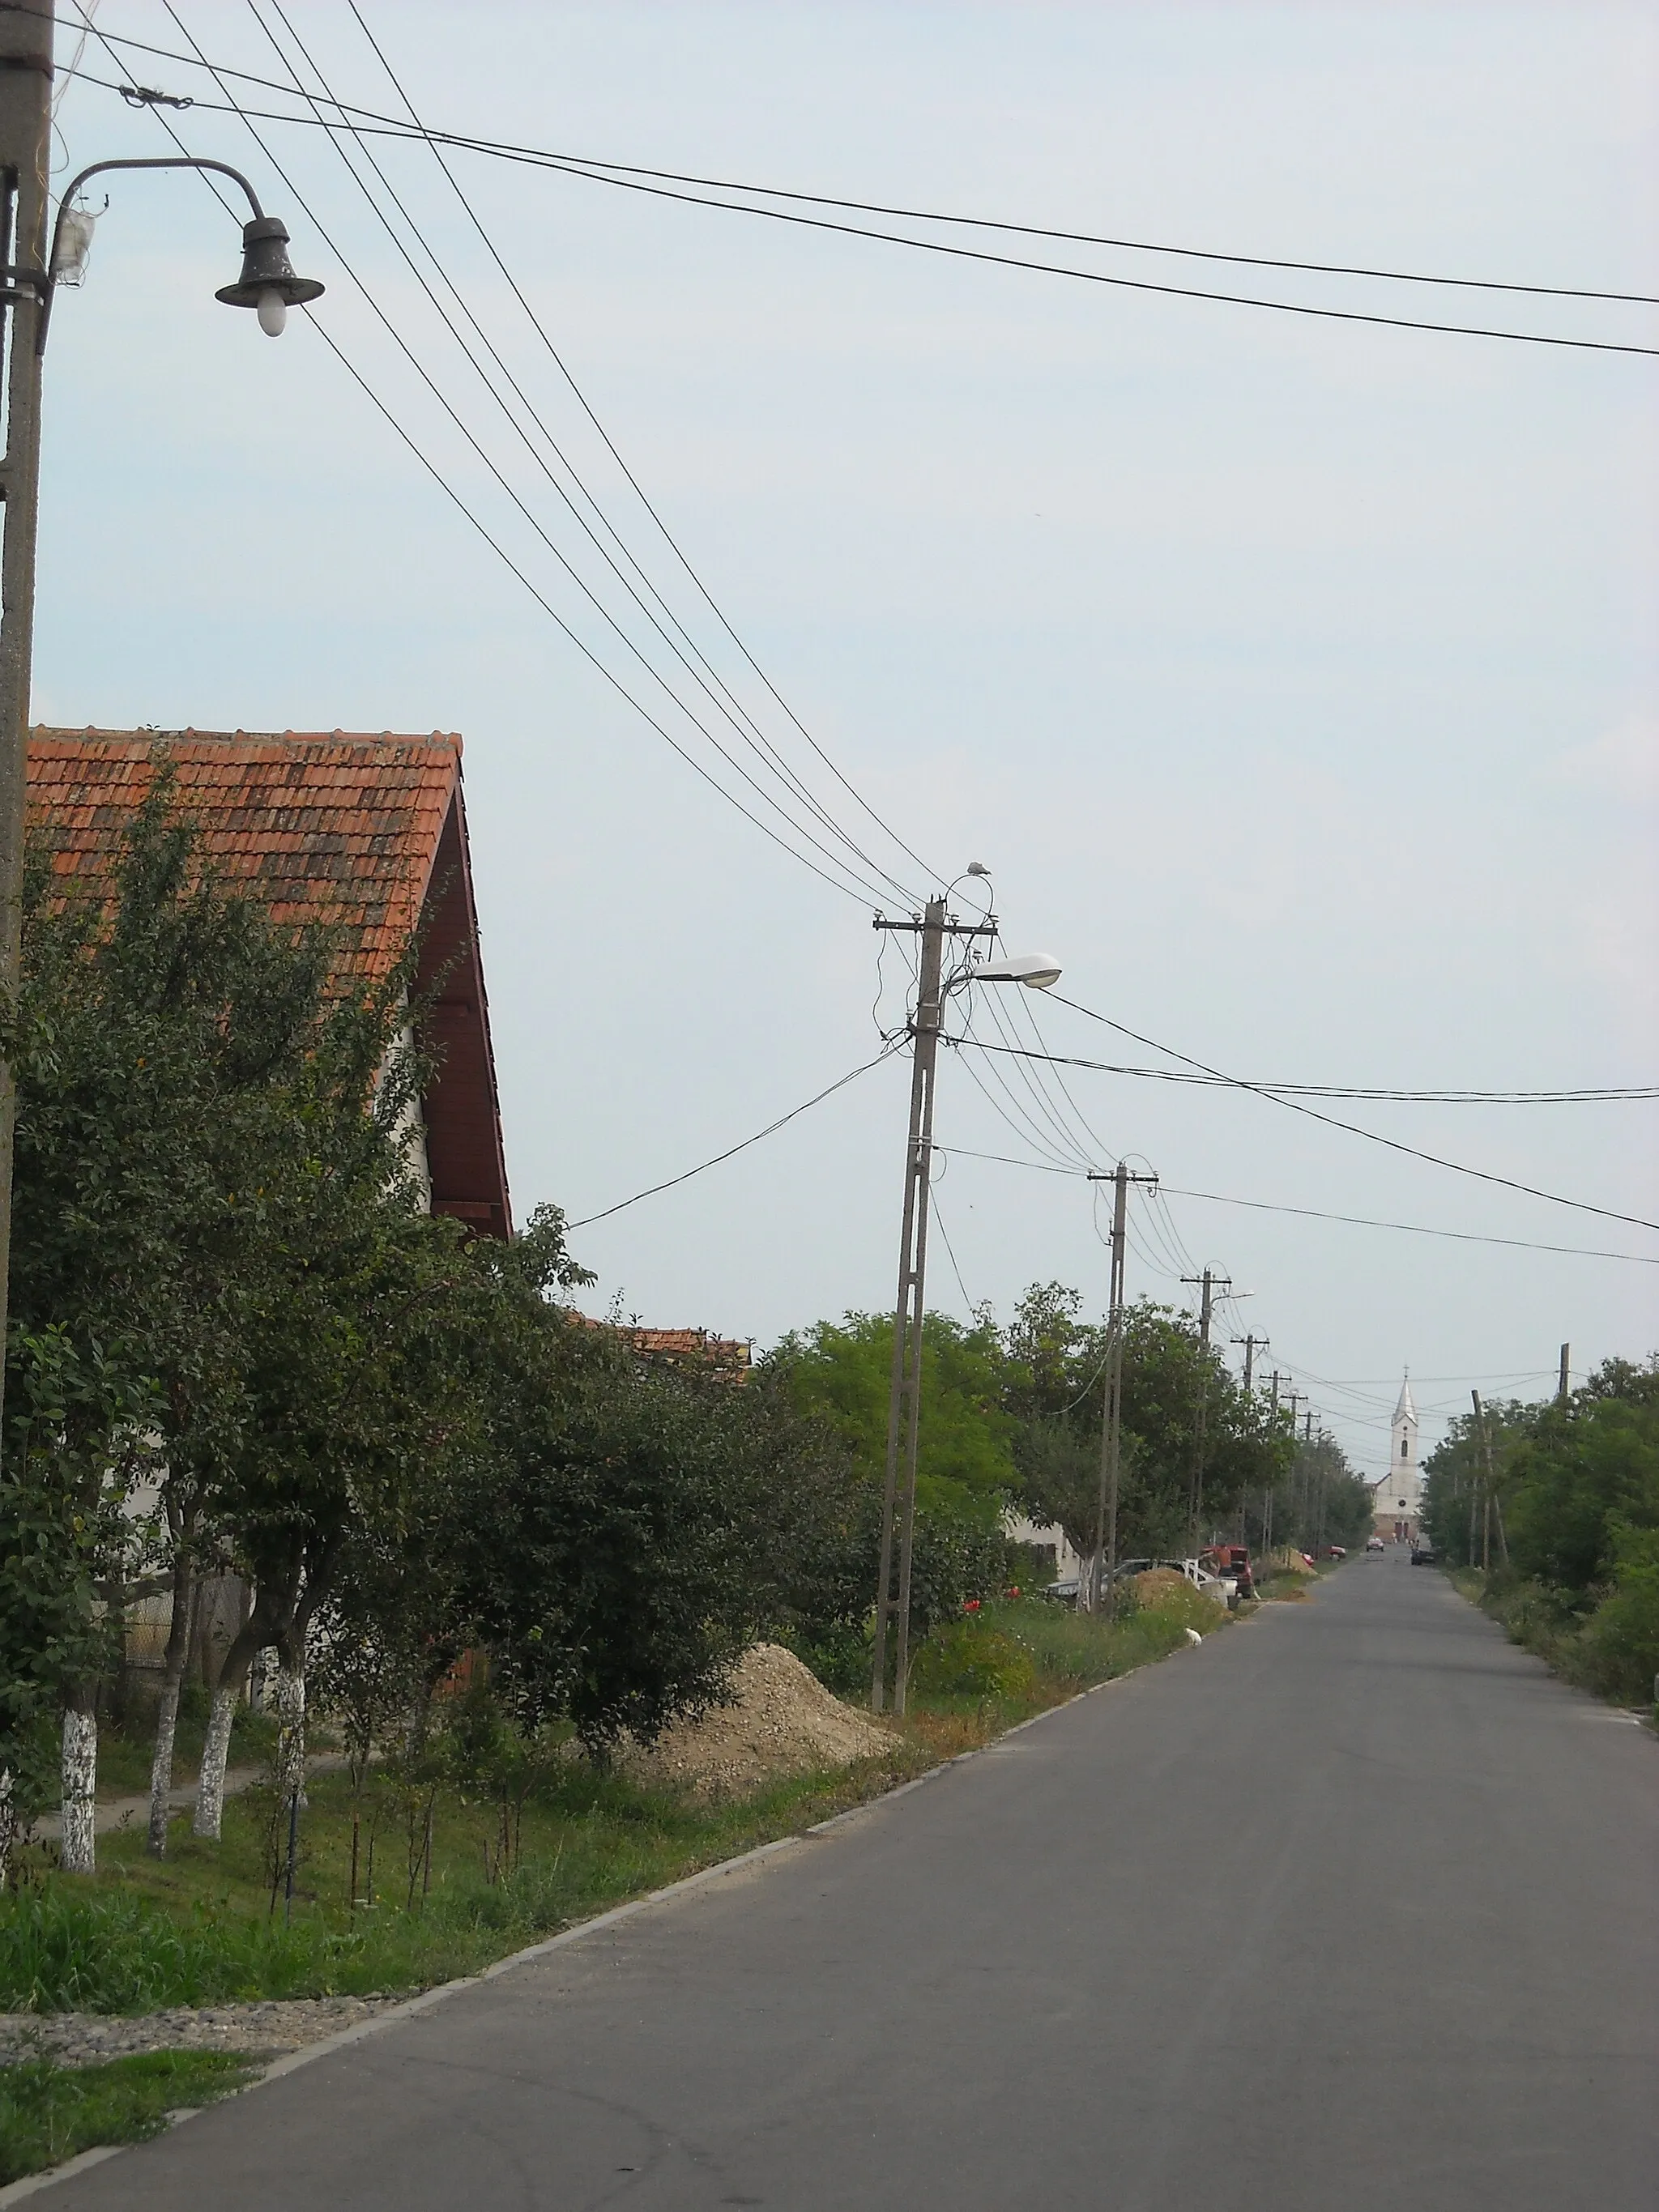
[
  {"x": 335, "y": 828},
  {"x": 368, "y": 833}
]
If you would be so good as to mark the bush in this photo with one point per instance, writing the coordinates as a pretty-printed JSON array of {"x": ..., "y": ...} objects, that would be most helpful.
[
  {"x": 972, "y": 1658},
  {"x": 1173, "y": 1598},
  {"x": 1618, "y": 1649}
]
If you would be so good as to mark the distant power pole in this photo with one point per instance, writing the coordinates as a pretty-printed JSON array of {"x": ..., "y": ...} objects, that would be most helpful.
[
  {"x": 1206, "y": 1283},
  {"x": 1494, "y": 1504},
  {"x": 1564, "y": 1386},
  {"x": 1250, "y": 1344},
  {"x": 905, "y": 1398},
  {"x": 1105, "y": 1558}
]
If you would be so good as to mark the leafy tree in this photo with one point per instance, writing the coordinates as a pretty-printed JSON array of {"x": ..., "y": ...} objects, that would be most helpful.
[{"x": 841, "y": 1373}]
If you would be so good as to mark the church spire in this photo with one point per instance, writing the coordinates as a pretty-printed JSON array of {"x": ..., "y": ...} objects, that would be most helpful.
[{"x": 1407, "y": 1409}]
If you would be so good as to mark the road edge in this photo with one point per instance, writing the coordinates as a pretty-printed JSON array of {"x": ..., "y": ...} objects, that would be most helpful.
[{"x": 13, "y": 2192}]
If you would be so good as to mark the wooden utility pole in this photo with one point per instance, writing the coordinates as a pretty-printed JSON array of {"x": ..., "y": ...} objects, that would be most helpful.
[
  {"x": 26, "y": 37},
  {"x": 933, "y": 926},
  {"x": 1103, "y": 1567}
]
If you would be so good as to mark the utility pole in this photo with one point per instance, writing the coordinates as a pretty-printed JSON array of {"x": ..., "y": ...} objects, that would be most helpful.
[
  {"x": 1268, "y": 1488},
  {"x": 26, "y": 38},
  {"x": 1250, "y": 1344},
  {"x": 1111, "y": 1412},
  {"x": 1207, "y": 1285},
  {"x": 1564, "y": 1386},
  {"x": 933, "y": 926},
  {"x": 1493, "y": 1503}
]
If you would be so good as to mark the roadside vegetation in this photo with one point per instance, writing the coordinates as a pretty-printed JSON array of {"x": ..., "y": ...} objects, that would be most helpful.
[
  {"x": 469, "y": 1540},
  {"x": 1548, "y": 1517},
  {"x": 48, "y": 2113}
]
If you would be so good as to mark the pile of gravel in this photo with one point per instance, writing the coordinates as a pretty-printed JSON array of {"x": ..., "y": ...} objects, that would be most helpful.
[
  {"x": 783, "y": 1721},
  {"x": 268, "y": 2027}
]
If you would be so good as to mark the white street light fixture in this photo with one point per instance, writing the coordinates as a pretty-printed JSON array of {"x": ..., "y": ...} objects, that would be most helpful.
[{"x": 1038, "y": 971}]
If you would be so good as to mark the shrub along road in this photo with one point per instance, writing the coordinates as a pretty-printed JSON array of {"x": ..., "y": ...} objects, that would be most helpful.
[{"x": 1353, "y": 1905}]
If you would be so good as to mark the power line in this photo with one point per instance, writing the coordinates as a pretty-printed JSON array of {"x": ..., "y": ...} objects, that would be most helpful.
[
  {"x": 633, "y": 178},
  {"x": 863, "y": 890},
  {"x": 672, "y": 543},
  {"x": 1392, "y": 1144},
  {"x": 731, "y": 1151},
  {"x": 1352, "y": 1220},
  {"x": 1612, "y": 1093}
]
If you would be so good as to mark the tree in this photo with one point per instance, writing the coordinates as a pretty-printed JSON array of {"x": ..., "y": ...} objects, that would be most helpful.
[
  {"x": 153, "y": 1013},
  {"x": 841, "y": 1373}
]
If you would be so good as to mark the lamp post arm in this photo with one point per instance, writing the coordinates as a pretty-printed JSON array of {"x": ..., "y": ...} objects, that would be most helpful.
[
  {"x": 98, "y": 169},
  {"x": 150, "y": 162}
]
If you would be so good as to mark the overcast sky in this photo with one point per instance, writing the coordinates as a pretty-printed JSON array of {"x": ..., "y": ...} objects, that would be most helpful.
[{"x": 1295, "y": 678}]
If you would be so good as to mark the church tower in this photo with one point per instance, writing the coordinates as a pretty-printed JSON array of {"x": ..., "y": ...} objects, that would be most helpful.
[{"x": 1398, "y": 1514}]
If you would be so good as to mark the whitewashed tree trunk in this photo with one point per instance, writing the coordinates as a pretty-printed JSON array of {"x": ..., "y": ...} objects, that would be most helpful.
[
  {"x": 215, "y": 1754},
  {"x": 291, "y": 1733},
  {"x": 78, "y": 1852},
  {"x": 8, "y": 1823},
  {"x": 161, "y": 1767},
  {"x": 166, "y": 1717}
]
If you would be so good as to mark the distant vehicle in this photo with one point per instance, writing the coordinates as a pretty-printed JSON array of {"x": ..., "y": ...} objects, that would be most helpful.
[
  {"x": 1422, "y": 1555},
  {"x": 1336, "y": 1551},
  {"x": 1374, "y": 1544},
  {"x": 1231, "y": 1563}
]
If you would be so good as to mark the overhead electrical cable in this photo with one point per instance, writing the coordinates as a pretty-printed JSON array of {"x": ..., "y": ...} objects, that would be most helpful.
[
  {"x": 1315, "y": 1213},
  {"x": 662, "y": 182},
  {"x": 862, "y": 892},
  {"x": 707, "y": 680},
  {"x": 672, "y": 1182},
  {"x": 1624, "y": 1094},
  {"x": 1353, "y": 1129},
  {"x": 669, "y": 539}
]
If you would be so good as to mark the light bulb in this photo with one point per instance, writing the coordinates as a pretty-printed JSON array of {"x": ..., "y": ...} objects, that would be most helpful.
[{"x": 273, "y": 312}]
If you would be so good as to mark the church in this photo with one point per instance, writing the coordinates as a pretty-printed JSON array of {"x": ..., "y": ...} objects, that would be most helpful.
[{"x": 1397, "y": 1513}]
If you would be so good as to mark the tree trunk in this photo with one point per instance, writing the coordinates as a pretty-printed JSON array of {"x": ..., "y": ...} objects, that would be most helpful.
[
  {"x": 8, "y": 1823},
  {"x": 166, "y": 1718},
  {"x": 291, "y": 1730},
  {"x": 78, "y": 1852}
]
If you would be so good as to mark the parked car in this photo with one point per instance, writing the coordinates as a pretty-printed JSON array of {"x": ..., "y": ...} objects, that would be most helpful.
[
  {"x": 1422, "y": 1554},
  {"x": 1336, "y": 1551},
  {"x": 1374, "y": 1544}
]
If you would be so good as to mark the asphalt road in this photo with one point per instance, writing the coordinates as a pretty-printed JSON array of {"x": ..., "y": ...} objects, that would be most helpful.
[{"x": 1353, "y": 1907}]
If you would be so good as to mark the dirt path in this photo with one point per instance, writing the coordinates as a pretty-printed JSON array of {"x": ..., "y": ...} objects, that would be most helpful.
[{"x": 124, "y": 1812}]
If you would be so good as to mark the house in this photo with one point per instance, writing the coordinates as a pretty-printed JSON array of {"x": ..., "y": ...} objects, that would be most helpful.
[{"x": 368, "y": 833}]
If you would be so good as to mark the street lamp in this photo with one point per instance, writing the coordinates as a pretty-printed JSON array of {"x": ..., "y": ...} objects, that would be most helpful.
[
  {"x": 27, "y": 280},
  {"x": 1037, "y": 972},
  {"x": 267, "y": 284}
]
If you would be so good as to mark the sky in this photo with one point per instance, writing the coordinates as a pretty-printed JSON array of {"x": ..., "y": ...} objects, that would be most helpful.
[{"x": 1295, "y": 678}]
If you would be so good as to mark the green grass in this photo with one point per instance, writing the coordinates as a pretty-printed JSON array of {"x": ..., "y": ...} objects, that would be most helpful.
[
  {"x": 125, "y": 1752},
  {"x": 48, "y": 2112}
]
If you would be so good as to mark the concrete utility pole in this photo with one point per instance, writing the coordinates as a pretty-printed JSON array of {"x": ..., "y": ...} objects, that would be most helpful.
[
  {"x": 1250, "y": 1344},
  {"x": 1564, "y": 1387},
  {"x": 25, "y": 290},
  {"x": 1493, "y": 1503},
  {"x": 904, "y": 1402},
  {"x": 1268, "y": 1489},
  {"x": 1206, "y": 1283},
  {"x": 1111, "y": 1412}
]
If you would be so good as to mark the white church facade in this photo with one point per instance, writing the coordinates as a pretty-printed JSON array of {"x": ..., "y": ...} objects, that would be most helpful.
[{"x": 1397, "y": 1512}]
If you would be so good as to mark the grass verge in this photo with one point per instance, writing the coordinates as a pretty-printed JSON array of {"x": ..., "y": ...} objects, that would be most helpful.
[
  {"x": 209, "y": 1924},
  {"x": 49, "y": 2112}
]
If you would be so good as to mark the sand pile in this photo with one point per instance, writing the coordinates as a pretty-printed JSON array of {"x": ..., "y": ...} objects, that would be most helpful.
[
  {"x": 1158, "y": 1585},
  {"x": 784, "y": 1722}
]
